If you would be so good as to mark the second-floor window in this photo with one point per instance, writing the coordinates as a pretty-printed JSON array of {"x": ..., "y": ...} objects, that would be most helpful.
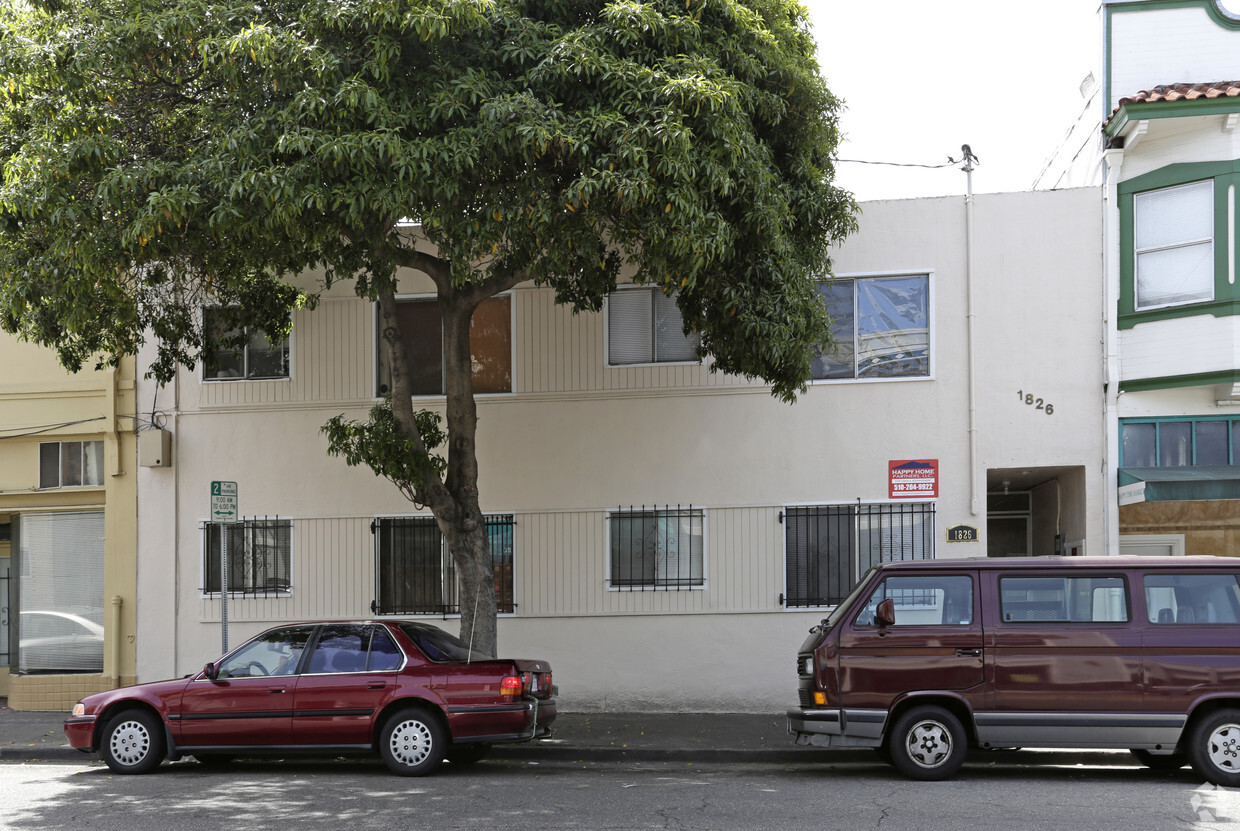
[
  {"x": 242, "y": 353},
  {"x": 644, "y": 326},
  {"x": 881, "y": 327},
  {"x": 421, "y": 326},
  {"x": 1178, "y": 442},
  {"x": 1173, "y": 236},
  {"x": 67, "y": 464}
]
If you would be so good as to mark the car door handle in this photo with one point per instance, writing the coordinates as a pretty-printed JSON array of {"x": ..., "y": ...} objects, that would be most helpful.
[
  {"x": 276, "y": 690},
  {"x": 969, "y": 653},
  {"x": 375, "y": 685}
]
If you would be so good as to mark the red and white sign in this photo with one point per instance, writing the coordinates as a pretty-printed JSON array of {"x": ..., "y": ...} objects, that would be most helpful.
[{"x": 913, "y": 479}]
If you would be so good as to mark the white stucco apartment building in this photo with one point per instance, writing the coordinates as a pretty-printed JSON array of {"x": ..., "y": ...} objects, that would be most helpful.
[{"x": 663, "y": 535}]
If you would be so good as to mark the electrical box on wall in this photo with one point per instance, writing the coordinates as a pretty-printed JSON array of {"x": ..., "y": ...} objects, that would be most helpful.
[{"x": 155, "y": 448}]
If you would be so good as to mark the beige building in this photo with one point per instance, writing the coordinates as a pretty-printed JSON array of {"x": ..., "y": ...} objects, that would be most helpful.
[
  {"x": 68, "y": 525},
  {"x": 664, "y": 535}
]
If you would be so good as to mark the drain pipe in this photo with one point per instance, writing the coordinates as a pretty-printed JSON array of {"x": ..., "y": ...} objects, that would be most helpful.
[
  {"x": 970, "y": 161},
  {"x": 115, "y": 627}
]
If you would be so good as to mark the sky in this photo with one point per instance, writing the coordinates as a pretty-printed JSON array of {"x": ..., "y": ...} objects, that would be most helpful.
[{"x": 919, "y": 79}]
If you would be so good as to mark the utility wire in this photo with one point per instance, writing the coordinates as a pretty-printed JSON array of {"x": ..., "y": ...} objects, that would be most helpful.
[
  {"x": 967, "y": 155},
  {"x": 44, "y": 428}
]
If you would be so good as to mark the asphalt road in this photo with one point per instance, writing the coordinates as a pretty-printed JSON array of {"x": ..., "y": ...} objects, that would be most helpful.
[{"x": 525, "y": 796}]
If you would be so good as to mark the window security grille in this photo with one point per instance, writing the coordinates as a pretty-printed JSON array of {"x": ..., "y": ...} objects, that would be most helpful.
[
  {"x": 259, "y": 557},
  {"x": 656, "y": 548},
  {"x": 829, "y": 547},
  {"x": 414, "y": 571}
]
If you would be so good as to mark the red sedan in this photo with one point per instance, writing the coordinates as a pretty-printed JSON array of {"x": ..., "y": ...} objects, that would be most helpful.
[{"x": 406, "y": 690}]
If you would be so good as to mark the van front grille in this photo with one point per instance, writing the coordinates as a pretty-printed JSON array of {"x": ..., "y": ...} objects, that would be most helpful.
[{"x": 807, "y": 698}]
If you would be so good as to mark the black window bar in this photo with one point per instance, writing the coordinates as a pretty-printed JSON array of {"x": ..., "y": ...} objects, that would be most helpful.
[
  {"x": 259, "y": 557},
  {"x": 656, "y": 548},
  {"x": 829, "y": 547},
  {"x": 415, "y": 573}
]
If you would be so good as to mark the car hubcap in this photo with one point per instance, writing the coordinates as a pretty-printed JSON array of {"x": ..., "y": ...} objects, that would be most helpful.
[
  {"x": 411, "y": 742},
  {"x": 130, "y": 743},
  {"x": 1224, "y": 747},
  {"x": 929, "y": 744}
]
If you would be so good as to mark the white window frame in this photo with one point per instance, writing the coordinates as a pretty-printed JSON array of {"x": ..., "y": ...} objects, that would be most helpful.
[
  {"x": 1183, "y": 244},
  {"x": 854, "y": 565},
  {"x": 243, "y": 378},
  {"x": 376, "y": 343},
  {"x": 204, "y": 571},
  {"x": 701, "y": 585},
  {"x": 60, "y": 465},
  {"x": 448, "y": 565},
  {"x": 931, "y": 317},
  {"x": 653, "y": 344}
]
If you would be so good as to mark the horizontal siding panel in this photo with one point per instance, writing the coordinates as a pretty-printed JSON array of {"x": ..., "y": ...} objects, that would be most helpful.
[{"x": 560, "y": 569}]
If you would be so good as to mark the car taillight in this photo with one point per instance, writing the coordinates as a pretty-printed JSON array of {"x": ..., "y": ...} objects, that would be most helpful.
[{"x": 512, "y": 685}]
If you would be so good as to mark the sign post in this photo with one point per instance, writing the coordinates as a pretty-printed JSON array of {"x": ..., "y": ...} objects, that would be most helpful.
[{"x": 223, "y": 513}]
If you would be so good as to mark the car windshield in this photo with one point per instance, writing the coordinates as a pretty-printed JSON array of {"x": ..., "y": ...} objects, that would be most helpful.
[{"x": 438, "y": 645}]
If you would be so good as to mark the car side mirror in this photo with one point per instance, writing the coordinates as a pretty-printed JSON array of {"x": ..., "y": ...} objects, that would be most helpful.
[
  {"x": 210, "y": 670},
  {"x": 885, "y": 614}
]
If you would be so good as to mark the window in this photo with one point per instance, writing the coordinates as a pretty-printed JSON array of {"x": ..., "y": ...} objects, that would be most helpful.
[
  {"x": 1192, "y": 598},
  {"x": 354, "y": 647},
  {"x": 414, "y": 571},
  {"x": 644, "y": 326},
  {"x": 273, "y": 653},
  {"x": 656, "y": 549},
  {"x": 1174, "y": 245},
  {"x": 241, "y": 353},
  {"x": 260, "y": 553},
  {"x": 1063, "y": 599},
  {"x": 421, "y": 326},
  {"x": 1178, "y": 442},
  {"x": 881, "y": 327},
  {"x": 59, "y": 619},
  {"x": 828, "y": 547},
  {"x": 923, "y": 600},
  {"x": 66, "y": 464}
]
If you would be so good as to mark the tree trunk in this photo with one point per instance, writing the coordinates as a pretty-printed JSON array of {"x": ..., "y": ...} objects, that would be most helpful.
[{"x": 455, "y": 501}]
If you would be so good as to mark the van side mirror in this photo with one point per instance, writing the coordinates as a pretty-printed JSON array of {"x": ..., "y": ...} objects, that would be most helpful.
[
  {"x": 885, "y": 614},
  {"x": 210, "y": 670}
]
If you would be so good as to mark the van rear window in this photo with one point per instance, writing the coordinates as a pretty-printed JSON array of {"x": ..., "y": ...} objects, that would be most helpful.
[
  {"x": 1192, "y": 598},
  {"x": 1063, "y": 599}
]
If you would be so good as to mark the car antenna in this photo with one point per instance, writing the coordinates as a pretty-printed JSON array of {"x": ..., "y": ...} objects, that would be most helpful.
[{"x": 473, "y": 621}]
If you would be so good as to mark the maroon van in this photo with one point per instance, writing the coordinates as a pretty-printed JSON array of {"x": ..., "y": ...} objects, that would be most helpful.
[{"x": 926, "y": 659}]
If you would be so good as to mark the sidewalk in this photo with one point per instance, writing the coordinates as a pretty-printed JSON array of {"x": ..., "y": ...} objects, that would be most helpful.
[{"x": 593, "y": 737}]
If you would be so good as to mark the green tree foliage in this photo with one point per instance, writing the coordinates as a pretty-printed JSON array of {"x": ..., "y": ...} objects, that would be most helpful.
[{"x": 156, "y": 155}]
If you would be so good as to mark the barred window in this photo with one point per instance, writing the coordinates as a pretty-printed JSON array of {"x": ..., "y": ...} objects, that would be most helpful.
[
  {"x": 260, "y": 556},
  {"x": 656, "y": 548},
  {"x": 414, "y": 571},
  {"x": 828, "y": 547}
]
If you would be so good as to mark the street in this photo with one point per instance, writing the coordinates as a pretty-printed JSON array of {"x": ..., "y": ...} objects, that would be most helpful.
[{"x": 994, "y": 792}]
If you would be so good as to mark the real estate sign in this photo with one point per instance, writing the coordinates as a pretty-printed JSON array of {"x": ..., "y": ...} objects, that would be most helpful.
[{"x": 913, "y": 479}]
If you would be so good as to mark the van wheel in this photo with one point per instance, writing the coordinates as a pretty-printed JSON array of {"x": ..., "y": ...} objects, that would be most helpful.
[
  {"x": 1160, "y": 761},
  {"x": 412, "y": 742},
  {"x": 927, "y": 744},
  {"x": 133, "y": 742},
  {"x": 1214, "y": 748}
]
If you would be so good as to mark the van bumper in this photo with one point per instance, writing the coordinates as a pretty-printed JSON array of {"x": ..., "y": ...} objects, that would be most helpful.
[{"x": 837, "y": 727}]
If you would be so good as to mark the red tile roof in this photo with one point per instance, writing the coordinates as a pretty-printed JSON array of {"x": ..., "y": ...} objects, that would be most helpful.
[
  {"x": 1184, "y": 92},
  {"x": 1178, "y": 92}
]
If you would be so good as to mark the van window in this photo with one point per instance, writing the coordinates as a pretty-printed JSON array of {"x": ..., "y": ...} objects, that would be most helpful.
[
  {"x": 1063, "y": 599},
  {"x": 1192, "y": 598},
  {"x": 930, "y": 600}
]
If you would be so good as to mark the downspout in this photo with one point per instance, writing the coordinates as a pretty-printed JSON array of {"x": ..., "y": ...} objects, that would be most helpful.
[
  {"x": 114, "y": 625},
  {"x": 970, "y": 318},
  {"x": 1112, "y": 161}
]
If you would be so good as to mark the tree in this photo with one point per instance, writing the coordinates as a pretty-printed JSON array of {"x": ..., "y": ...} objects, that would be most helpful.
[{"x": 156, "y": 155}]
